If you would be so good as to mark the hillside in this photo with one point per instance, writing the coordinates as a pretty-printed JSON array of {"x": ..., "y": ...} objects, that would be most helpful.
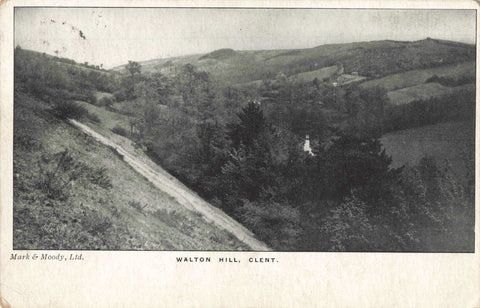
[
  {"x": 451, "y": 141},
  {"x": 159, "y": 156},
  {"x": 104, "y": 205},
  {"x": 370, "y": 59}
]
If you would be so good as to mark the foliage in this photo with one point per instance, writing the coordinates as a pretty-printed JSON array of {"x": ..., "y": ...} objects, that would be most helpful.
[
  {"x": 59, "y": 171},
  {"x": 106, "y": 101},
  {"x": 133, "y": 68},
  {"x": 69, "y": 110},
  {"x": 120, "y": 131},
  {"x": 241, "y": 148},
  {"x": 451, "y": 81},
  {"x": 457, "y": 106},
  {"x": 93, "y": 117},
  {"x": 137, "y": 205},
  {"x": 348, "y": 227},
  {"x": 274, "y": 223},
  {"x": 97, "y": 176}
]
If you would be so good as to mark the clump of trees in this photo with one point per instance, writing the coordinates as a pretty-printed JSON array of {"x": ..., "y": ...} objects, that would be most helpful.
[
  {"x": 456, "y": 106},
  {"x": 345, "y": 197}
]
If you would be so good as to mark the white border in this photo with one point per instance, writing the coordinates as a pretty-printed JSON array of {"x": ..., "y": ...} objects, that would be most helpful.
[{"x": 154, "y": 279}]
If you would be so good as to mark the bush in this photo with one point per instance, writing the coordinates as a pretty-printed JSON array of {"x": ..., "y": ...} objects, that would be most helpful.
[
  {"x": 57, "y": 172},
  {"x": 120, "y": 95},
  {"x": 106, "y": 101},
  {"x": 98, "y": 176},
  {"x": 93, "y": 117},
  {"x": 69, "y": 110},
  {"x": 276, "y": 224},
  {"x": 348, "y": 227},
  {"x": 137, "y": 205},
  {"x": 120, "y": 131},
  {"x": 92, "y": 98}
]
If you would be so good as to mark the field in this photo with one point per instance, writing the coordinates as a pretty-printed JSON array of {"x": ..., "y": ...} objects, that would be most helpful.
[
  {"x": 108, "y": 119},
  {"x": 416, "y": 77},
  {"x": 120, "y": 210},
  {"x": 320, "y": 74},
  {"x": 424, "y": 91},
  {"x": 453, "y": 142},
  {"x": 370, "y": 59}
]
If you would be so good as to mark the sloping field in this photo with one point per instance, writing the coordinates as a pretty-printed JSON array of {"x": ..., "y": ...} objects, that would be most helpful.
[
  {"x": 452, "y": 141},
  {"x": 108, "y": 119},
  {"x": 424, "y": 91},
  {"x": 320, "y": 74},
  {"x": 415, "y": 77},
  {"x": 371, "y": 59},
  {"x": 347, "y": 78},
  {"x": 99, "y": 95}
]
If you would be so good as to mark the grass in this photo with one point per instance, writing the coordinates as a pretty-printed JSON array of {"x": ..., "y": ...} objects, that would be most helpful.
[
  {"x": 108, "y": 119},
  {"x": 452, "y": 141},
  {"x": 320, "y": 74},
  {"x": 94, "y": 216},
  {"x": 371, "y": 59},
  {"x": 99, "y": 95},
  {"x": 423, "y": 92},
  {"x": 416, "y": 77}
]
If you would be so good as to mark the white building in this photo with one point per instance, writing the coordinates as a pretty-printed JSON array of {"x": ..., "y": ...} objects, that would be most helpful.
[{"x": 306, "y": 146}]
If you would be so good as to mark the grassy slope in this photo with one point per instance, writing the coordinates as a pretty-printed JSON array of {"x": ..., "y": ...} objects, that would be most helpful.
[
  {"x": 424, "y": 91},
  {"x": 452, "y": 141},
  {"x": 94, "y": 217},
  {"x": 376, "y": 58},
  {"x": 415, "y": 77}
]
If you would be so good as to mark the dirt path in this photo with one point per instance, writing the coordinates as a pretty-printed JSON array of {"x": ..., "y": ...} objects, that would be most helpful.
[{"x": 168, "y": 184}]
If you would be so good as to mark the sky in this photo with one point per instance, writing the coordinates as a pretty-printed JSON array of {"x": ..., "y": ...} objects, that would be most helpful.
[{"x": 113, "y": 36}]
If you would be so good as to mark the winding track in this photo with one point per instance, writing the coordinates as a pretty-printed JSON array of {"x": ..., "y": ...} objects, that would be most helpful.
[{"x": 184, "y": 196}]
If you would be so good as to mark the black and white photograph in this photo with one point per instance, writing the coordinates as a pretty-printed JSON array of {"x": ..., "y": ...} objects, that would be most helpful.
[{"x": 244, "y": 129}]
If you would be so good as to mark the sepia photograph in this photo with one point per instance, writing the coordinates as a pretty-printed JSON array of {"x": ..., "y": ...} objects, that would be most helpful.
[{"x": 244, "y": 129}]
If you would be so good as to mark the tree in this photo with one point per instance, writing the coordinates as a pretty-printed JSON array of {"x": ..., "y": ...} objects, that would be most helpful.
[
  {"x": 134, "y": 68},
  {"x": 365, "y": 108},
  {"x": 252, "y": 123},
  {"x": 358, "y": 164}
]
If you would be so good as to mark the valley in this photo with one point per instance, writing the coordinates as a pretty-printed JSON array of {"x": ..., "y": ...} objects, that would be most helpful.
[{"x": 205, "y": 152}]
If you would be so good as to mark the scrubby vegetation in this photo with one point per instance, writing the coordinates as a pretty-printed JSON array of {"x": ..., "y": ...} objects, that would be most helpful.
[
  {"x": 72, "y": 193},
  {"x": 457, "y": 106},
  {"x": 241, "y": 148},
  {"x": 119, "y": 131}
]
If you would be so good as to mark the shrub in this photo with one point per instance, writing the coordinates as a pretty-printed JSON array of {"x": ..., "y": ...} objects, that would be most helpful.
[
  {"x": 137, "y": 205},
  {"x": 106, "y": 101},
  {"x": 91, "y": 98},
  {"x": 25, "y": 141},
  {"x": 57, "y": 172},
  {"x": 98, "y": 176},
  {"x": 119, "y": 131},
  {"x": 93, "y": 117},
  {"x": 275, "y": 223},
  {"x": 348, "y": 226},
  {"x": 69, "y": 110},
  {"x": 120, "y": 95}
]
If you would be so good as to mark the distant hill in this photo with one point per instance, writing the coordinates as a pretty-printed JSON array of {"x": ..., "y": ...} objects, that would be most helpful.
[{"x": 373, "y": 59}]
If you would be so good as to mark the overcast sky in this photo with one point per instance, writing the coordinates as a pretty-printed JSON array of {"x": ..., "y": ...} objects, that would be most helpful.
[{"x": 113, "y": 36}]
